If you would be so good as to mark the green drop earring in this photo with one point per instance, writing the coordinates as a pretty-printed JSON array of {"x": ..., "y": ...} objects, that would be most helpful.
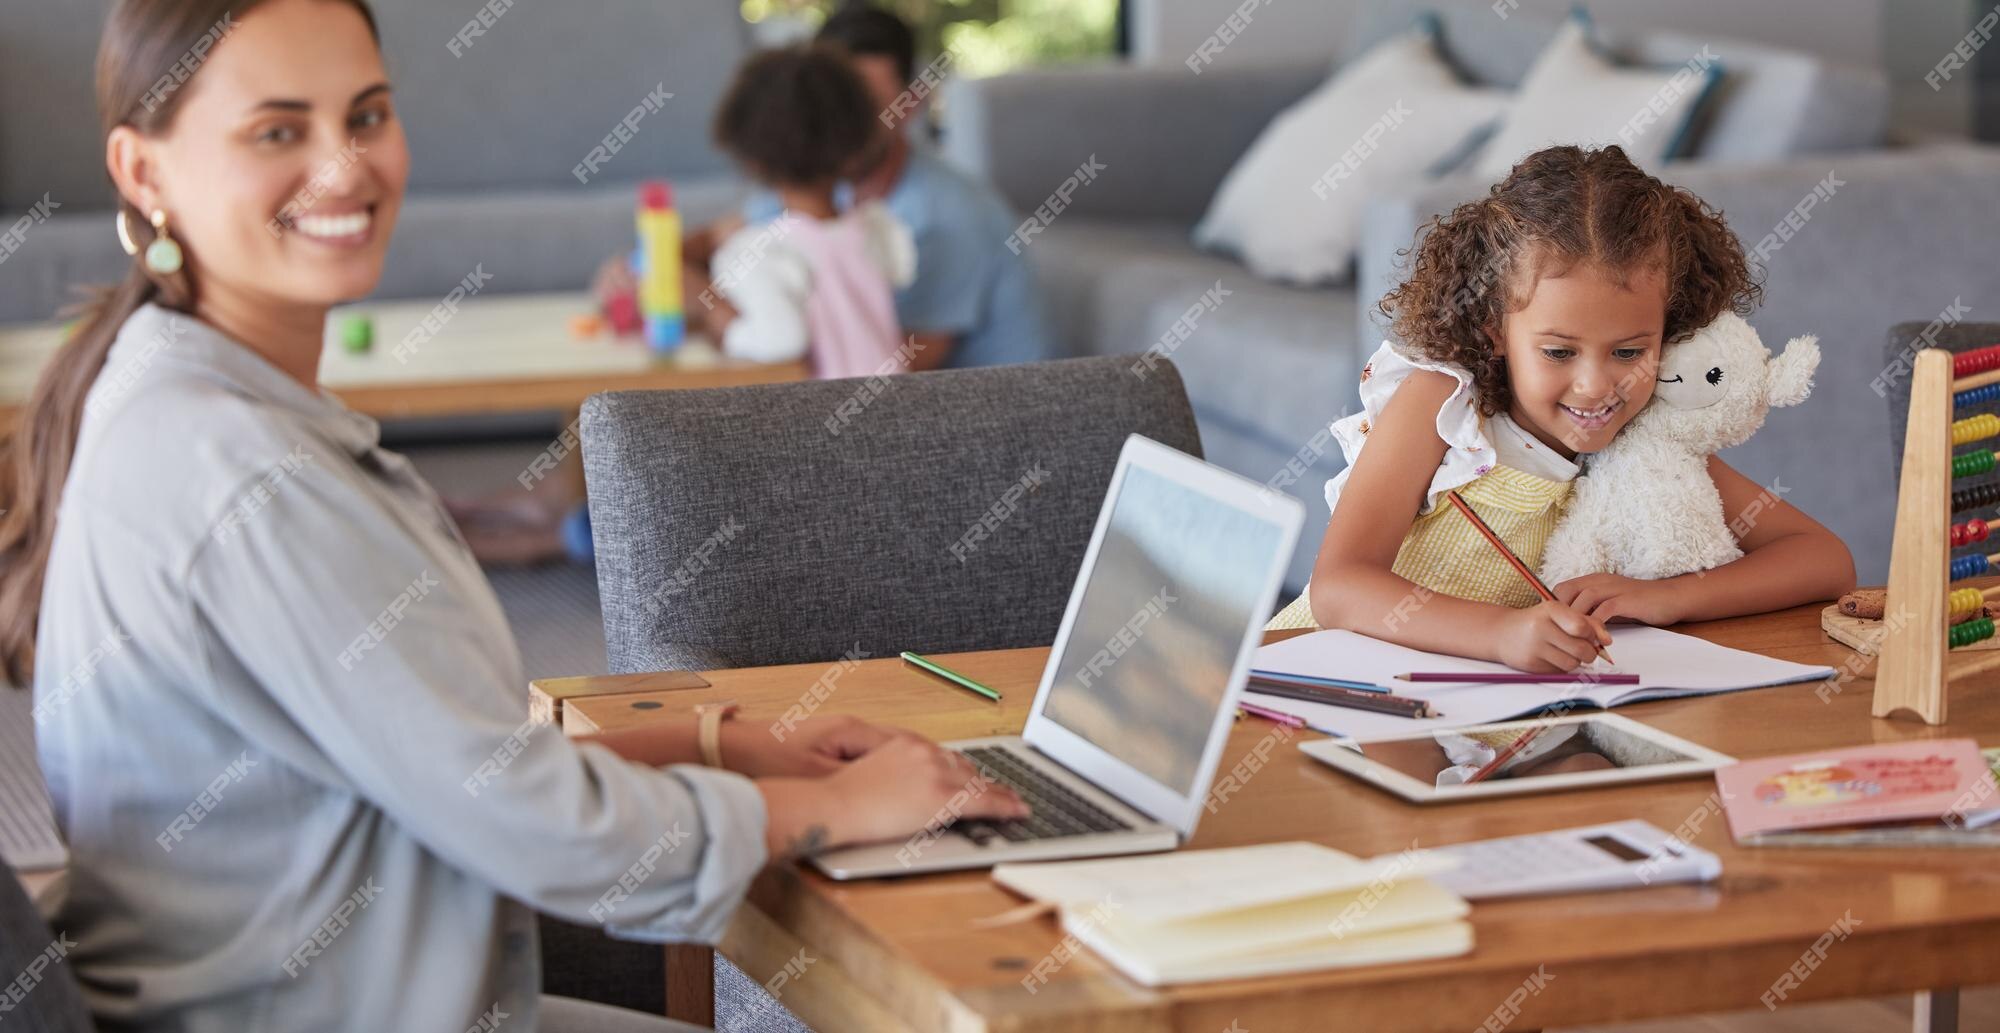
[{"x": 163, "y": 255}]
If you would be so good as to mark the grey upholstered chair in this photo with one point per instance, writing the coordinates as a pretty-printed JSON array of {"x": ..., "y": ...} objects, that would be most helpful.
[
  {"x": 794, "y": 523},
  {"x": 35, "y": 959},
  {"x": 1904, "y": 341}
]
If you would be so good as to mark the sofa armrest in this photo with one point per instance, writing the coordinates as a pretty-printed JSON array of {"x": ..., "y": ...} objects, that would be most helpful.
[
  {"x": 1389, "y": 226},
  {"x": 1165, "y": 135}
]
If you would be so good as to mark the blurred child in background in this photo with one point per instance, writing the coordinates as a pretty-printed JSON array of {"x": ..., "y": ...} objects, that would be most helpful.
[{"x": 815, "y": 282}]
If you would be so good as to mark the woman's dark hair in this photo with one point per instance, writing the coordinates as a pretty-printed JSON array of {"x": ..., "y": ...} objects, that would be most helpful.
[
  {"x": 796, "y": 116},
  {"x": 863, "y": 28},
  {"x": 1559, "y": 207},
  {"x": 143, "y": 41}
]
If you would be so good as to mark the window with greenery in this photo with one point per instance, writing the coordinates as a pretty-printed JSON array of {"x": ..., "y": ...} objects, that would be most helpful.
[{"x": 984, "y": 36}]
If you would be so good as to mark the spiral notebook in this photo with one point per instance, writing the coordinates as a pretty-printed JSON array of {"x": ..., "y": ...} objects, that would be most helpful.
[{"x": 1670, "y": 665}]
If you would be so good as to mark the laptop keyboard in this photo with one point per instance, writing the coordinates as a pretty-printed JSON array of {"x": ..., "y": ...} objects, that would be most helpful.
[{"x": 1057, "y": 811}]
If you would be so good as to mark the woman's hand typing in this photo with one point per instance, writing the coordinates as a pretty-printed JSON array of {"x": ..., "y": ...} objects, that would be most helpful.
[
  {"x": 807, "y": 748},
  {"x": 902, "y": 786}
]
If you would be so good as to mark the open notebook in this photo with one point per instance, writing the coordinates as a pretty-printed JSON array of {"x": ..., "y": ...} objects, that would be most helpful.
[
  {"x": 1239, "y": 912},
  {"x": 1669, "y": 664}
]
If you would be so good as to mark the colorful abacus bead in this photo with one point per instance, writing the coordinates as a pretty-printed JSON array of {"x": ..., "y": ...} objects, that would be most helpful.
[
  {"x": 1972, "y": 463},
  {"x": 1976, "y": 396},
  {"x": 1971, "y": 631},
  {"x": 1974, "y": 428},
  {"x": 1968, "y": 532},
  {"x": 1979, "y": 360},
  {"x": 1969, "y": 566},
  {"x": 1975, "y": 497},
  {"x": 1964, "y": 601}
]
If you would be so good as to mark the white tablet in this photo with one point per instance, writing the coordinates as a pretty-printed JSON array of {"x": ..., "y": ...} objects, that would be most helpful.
[{"x": 1569, "y": 752}]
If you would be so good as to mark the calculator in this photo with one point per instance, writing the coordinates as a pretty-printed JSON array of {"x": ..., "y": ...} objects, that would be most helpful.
[{"x": 1619, "y": 855}]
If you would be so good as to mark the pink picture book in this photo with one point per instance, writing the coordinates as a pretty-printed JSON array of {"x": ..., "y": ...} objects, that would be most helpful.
[{"x": 1856, "y": 785}]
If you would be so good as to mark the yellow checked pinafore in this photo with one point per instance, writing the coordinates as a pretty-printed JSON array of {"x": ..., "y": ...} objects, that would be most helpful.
[{"x": 1516, "y": 483}]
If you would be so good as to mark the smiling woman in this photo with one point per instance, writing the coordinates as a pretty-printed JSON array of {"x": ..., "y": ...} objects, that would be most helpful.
[
  {"x": 242, "y": 582},
  {"x": 240, "y": 210}
]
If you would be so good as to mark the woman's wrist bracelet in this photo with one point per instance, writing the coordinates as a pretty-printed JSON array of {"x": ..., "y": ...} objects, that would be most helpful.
[{"x": 708, "y": 735}]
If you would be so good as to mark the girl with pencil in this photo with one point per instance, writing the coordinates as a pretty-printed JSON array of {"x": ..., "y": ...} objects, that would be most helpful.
[{"x": 1527, "y": 334}]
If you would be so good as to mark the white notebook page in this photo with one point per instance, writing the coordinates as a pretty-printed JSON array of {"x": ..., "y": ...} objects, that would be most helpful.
[{"x": 1668, "y": 663}]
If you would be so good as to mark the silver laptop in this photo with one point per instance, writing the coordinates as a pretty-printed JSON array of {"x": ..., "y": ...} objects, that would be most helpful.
[{"x": 1140, "y": 691}]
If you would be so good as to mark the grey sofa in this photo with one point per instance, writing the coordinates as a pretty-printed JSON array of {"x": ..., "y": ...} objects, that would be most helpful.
[
  {"x": 1906, "y": 232},
  {"x": 495, "y": 132}
]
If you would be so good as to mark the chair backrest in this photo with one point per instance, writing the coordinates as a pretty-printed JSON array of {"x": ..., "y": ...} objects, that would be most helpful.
[
  {"x": 797, "y": 523},
  {"x": 1898, "y": 354},
  {"x": 41, "y": 989}
]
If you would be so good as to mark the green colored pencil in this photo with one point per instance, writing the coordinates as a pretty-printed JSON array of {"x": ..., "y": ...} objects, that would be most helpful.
[{"x": 951, "y": 676}]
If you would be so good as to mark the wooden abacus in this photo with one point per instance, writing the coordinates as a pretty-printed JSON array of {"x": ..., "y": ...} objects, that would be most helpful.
[{"x": 1917, "y": 634}]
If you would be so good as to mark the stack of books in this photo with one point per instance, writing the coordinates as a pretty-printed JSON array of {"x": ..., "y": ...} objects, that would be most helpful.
[{"x": 1199, "y": 915}]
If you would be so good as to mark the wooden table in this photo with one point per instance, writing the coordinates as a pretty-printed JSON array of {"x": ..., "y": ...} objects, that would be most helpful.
[
  {"x": 903, "y": 954},
  {"x": 488, "y": 354}
]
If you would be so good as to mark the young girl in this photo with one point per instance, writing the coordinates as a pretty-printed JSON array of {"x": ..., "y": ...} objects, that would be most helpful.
[
  {"x": 1530, "y": 332},
  {"x": 813, "y": 282}
]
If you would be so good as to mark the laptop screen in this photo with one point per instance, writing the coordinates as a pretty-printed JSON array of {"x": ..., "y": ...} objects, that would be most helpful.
[{"x": 1178, "y": 578}]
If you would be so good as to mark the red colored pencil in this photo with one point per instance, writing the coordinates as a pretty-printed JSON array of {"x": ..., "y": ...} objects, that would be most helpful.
[
  {"x": 1508, "y": 554},
  {"x": 1513, "y": 749}
]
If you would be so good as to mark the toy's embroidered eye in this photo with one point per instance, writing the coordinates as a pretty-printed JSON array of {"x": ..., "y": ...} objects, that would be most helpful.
[
  {"x": 1715, "y": 375},
  {"x": 1677, "y": 379}
]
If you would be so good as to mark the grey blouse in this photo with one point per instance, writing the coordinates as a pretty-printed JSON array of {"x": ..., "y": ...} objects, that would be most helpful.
[{"x": 284, "y": 724}]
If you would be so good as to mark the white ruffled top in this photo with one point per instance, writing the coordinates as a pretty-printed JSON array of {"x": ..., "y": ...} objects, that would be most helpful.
[{"x": 1474, "y": 444}]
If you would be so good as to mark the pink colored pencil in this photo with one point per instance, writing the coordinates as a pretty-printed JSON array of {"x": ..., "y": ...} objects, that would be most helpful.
[
  {"x": 1272, "y": 715},
  {"x": 1520, "y": 678}
]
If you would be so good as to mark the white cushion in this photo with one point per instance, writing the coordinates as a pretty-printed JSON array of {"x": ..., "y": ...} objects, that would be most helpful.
[
  {"x": 1574, "y": 95},
  {"x": 1291, "y": 207}
]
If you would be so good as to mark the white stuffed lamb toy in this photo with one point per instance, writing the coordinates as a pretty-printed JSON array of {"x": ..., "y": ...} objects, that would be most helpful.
[{"x": 1647, "y": 508}]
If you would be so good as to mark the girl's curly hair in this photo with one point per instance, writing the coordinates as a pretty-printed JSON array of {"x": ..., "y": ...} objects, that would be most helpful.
[{"x": 1557, "y": 207}]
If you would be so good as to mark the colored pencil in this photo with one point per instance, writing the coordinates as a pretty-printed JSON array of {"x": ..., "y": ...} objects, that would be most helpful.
[
  {"x": 1272, "y": 715},
  {"x": 951, "y": 676},
  {"x": 1521, "y": 678},
  {"x": 1513, "y": 749},
  {"x": 1295, "y": 721},
  {"x": 1381, "y": 703},
  {"x": 1314, "y": 679},
  {"x": 1508, "y": 554}
]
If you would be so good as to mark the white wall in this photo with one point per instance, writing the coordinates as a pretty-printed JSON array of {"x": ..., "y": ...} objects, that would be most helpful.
[{"x": 1169, "y": 30}]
